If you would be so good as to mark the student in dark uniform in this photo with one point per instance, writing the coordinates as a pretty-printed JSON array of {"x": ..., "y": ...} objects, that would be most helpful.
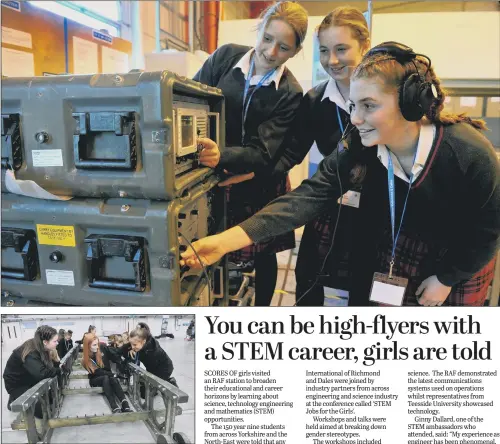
[
  {"x": 69, "y": 339},
  {"x": 143, "y": 347},
  {"x": 96, "y": 361},
  {"x": 65, "y": 344},
  {"x": 322, "y": 117},
  {"x": 261, "y": 98},
  {"x": 30, "y": 363},
  {"x": 431, "y": 190}
]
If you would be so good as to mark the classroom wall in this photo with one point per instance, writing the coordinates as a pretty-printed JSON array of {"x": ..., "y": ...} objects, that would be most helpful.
[
  {"x": 46, "y": 43},
  {"x": 462, "y": 45}
]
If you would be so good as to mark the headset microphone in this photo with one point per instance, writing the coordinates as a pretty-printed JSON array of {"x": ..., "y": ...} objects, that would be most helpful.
[{"x": 347, "y": 131}]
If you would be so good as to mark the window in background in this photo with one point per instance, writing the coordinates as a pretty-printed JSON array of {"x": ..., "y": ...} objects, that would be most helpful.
[
  {"x": 173, "y": 25},
  {"x": 493, "y": 107},
  {"x": 108, "y": 9},
  {"x": 483, "y": 106},
  {"x": 96, "y": 15}
]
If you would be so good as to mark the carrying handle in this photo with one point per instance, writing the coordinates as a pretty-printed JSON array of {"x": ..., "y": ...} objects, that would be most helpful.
[
  {"x": 90, "y": 125},
  {"x": 131, "y": 248},
  {"x": 12, "y": 149},
  {"x": 24, "y": 243}
]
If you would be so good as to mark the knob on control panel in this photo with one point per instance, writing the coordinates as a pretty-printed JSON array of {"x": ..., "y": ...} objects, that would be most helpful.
[{"x": 56, "y": 256}]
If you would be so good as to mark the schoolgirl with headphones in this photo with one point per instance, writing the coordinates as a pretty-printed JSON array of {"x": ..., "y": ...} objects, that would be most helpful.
[{"x": 429, "y": 224}]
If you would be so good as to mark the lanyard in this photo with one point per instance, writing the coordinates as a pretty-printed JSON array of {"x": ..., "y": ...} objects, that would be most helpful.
[
  {"x": 339, "y": 119},
  {"x": 136, "y": 358},
  {"x": 246, "y": 103},
  {"x": 392, "y": 204},
  {"x": 340, "y": 145},
  {"x": 95, "y": 363}
]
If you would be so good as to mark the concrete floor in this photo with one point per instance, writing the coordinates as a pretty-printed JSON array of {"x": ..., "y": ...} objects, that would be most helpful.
[{"x": 182, "y": 354}]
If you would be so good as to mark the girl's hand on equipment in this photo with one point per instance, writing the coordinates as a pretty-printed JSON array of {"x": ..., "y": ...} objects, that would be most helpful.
[
  {"x": 209, "y": 249},
  {"x": 236, "y": 179},
  {"x": 210, "y": 154},
  {"x": 434, "y": 293}
]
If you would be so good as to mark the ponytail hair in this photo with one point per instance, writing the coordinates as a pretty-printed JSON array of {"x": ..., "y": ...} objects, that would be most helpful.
[
  {"x": 142, "y": 331},
  {"x": 437, "y": 114}
]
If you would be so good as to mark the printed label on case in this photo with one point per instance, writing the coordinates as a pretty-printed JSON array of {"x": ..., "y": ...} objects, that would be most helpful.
[
  {"x": 63, "y": 235},
  {"x": 47, "y": 158},
  {"x": 60, "y": 277}
]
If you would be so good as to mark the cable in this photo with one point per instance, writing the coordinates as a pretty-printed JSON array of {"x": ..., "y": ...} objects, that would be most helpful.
[
  {"x": 344, "y": 136},
  {"x": 203, "y": 266}
]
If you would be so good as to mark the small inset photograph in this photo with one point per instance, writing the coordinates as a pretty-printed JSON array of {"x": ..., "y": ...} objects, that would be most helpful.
[{"x": 98, "y": 379}]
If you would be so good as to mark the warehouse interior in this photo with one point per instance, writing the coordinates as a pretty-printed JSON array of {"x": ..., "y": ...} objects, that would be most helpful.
[{"x": 171, "y": 331}]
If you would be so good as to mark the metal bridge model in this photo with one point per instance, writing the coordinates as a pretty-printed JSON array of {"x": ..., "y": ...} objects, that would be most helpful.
[{"x": 51, "y": 392}]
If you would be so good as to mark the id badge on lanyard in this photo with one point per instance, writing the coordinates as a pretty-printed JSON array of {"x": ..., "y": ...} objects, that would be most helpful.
[
  {"x": 350, "y": 198},
  {"x": 246, "y": 103},
  {"x": 341, "y": 145},
  {"x": 389, "y": 289}
]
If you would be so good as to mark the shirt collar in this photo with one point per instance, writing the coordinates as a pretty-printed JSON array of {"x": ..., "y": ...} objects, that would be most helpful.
[
  {"x": 332, "y": 92},
  {"x": 424, "y": 146},
  {"x": 244, "y": 66}
]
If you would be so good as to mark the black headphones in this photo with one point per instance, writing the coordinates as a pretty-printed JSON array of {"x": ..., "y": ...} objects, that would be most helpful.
[{"x": 416, "y": 96}]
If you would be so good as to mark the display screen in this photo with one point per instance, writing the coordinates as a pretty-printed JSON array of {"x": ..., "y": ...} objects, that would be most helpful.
[{"x": 187, "y": 131}]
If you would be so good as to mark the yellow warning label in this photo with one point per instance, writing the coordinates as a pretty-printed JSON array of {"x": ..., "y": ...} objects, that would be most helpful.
[{"x": 56, "y": 235}]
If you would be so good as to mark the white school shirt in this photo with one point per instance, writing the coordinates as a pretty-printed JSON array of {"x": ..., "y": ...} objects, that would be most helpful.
[
  {"x": 244, "y": 66},
  {"x": 425, "y": 141}
]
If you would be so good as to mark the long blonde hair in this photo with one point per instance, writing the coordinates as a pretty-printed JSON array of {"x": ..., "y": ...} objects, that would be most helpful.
[
  {"x": 353, "y": 18},
  {"x": 290, "y": 12}
]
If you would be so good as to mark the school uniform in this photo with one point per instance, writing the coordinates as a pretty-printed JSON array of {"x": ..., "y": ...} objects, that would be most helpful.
[
  {"x": 254, "y": 146},
  {"x": 322, "y": 118},
  {"x": 451, "y": 225},
  {"x": 102, "y": 376},
  {"x": 20, "y": 376},
  {"x": 63, "y": 347},
  {"x": 154, "y": 359}
]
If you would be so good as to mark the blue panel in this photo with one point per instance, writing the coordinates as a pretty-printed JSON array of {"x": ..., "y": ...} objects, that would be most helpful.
[
  {"x": 101, "y": 36},
  {"x": 66, "y": 56},
  {"x": 16, "y": 6},
  {"x": 312, "y": 169},
  {"x": 28, "y": 324}
]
